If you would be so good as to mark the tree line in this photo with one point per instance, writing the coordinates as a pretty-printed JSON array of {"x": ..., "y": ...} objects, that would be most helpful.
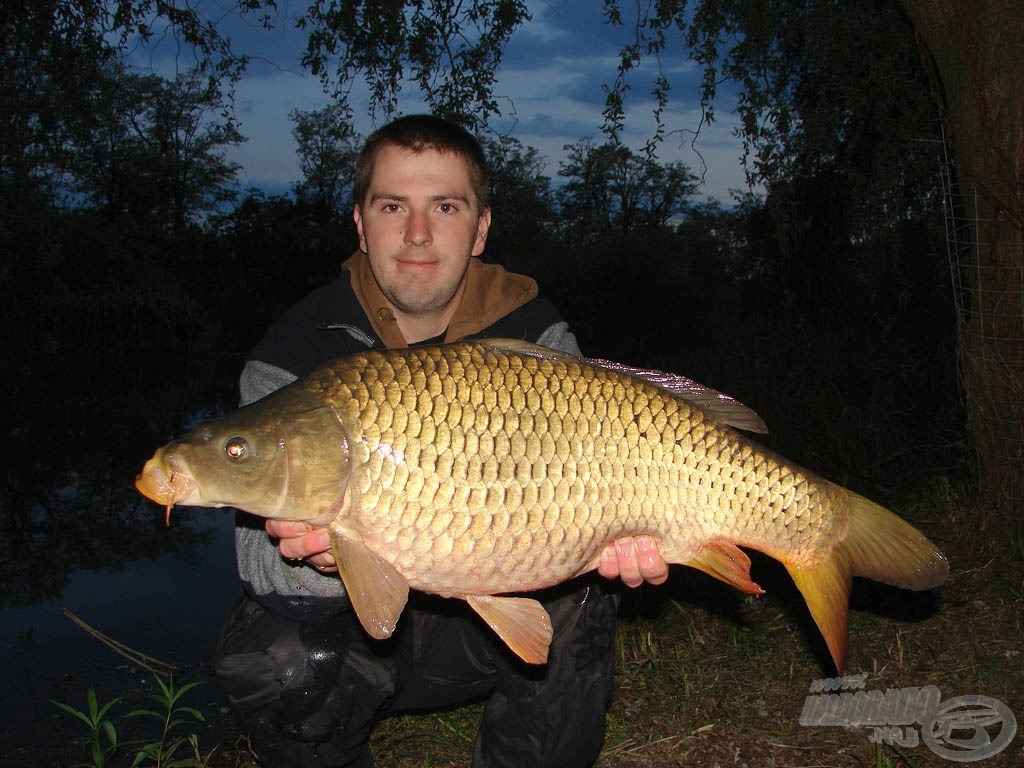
[
  {"x": 823, "y": 302},
  {"x": 131, "y": 217}
]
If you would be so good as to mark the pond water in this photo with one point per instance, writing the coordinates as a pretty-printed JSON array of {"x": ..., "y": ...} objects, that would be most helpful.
[{"x": 75, "y": 535}]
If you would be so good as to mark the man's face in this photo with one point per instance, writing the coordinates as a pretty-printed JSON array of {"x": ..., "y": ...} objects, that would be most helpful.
[{"x": 419, "y": 226}]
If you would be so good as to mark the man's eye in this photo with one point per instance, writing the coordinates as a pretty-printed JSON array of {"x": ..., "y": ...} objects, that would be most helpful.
[
  {"x": 447, "y": 208},
  {"x": 390, "y": 207}
]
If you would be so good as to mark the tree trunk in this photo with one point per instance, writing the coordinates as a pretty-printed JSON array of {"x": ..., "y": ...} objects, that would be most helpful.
[{"x": 977, "y": 47}]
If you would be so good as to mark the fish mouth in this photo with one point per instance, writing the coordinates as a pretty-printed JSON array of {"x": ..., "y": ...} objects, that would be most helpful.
[{"x": 162, "y": 482}]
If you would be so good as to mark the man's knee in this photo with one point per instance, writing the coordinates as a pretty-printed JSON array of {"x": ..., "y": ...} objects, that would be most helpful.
[
  {"x": 557, "y": 718},
  {"x": 302, "y": 690}
]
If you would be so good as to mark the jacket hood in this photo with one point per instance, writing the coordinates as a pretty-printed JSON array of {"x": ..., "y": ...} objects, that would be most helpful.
[{"x": 492, "y": 292}]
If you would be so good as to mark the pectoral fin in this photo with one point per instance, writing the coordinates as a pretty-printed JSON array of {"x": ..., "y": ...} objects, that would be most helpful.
[
  {"x": 726, "y": 562},
  {"x": 522, "y": 623},
  {"x": 378, "y": 592}
]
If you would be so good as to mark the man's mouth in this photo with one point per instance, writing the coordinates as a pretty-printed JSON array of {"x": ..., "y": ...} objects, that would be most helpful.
[
  {"x": 414, "y": 265},
  {"x": 414, "y": 262}
]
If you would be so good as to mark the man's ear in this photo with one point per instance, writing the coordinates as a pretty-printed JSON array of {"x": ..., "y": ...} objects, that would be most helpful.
[
  {"x": 482, "y": 228},
  {"x": 357, "y": 217}
]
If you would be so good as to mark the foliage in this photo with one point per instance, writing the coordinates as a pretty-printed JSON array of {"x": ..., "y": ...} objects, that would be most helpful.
[
  {"x": 522, "y": 200},
  {"x": 141, "y": 171},
  {"x": 49, "y": 55},
  {"x": 451, "y": 51},
  {"x": 830, "y": 94},
  {"x": 151, "y": 150},
  {"x": 163, "y": 752},
  {"x": 93, "y": 160},
  {"x": 272, "y": 251},
  {"x": 171, "y": 715},
  {"x": 327, "y": 150},
  {"x": 612, "y": 189},
  {"x": 100, "y": 729},
  {"x": 74, "y": 32}
]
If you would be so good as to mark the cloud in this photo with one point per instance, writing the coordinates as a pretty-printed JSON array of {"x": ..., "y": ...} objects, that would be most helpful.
[{"x": 549, "y": 89}]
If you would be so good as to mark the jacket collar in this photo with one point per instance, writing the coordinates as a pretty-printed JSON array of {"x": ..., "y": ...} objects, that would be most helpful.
[{"x": 491, "y": 293}]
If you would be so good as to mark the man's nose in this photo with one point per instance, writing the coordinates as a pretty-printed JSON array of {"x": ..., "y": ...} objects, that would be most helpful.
[{"x": 417, "y": 228}]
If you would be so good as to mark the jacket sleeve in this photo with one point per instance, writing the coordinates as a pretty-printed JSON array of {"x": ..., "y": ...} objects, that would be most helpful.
[
  {"x": 558, "y": 336},
  {"x": 291, "y": 589}
]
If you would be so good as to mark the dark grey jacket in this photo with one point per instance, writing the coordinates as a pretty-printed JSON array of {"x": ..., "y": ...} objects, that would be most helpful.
[{"x": 329, "y": 323}]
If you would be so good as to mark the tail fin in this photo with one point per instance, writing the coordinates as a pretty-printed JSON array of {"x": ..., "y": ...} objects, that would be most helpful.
[
  {"x": 886, "y": 548},
  {"x": 878, "y": 545}
]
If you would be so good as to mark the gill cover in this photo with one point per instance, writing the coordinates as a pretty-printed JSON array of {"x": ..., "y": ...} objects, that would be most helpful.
[{"x": 284, "y": 457}]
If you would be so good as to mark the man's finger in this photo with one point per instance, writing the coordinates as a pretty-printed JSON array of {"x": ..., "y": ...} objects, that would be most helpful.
[
  {"x": 287, "y": 529},
  {"x": 315, "y": 542},
  {"x": 608, "y": 565},
  {"x": 651, "y": 564},
  {"x": 629, "y": 568}
]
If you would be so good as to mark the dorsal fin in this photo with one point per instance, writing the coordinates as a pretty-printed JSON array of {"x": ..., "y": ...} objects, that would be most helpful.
[{"x": 723, "y": 407}]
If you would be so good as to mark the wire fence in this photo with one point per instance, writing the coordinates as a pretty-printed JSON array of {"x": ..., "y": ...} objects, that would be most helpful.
[{"x": 988, "y": 292}]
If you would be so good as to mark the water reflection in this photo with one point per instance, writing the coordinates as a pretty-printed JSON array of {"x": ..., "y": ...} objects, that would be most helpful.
[
  {"x": 49, "y": 530},
  {"x": 74, "y": 532}
]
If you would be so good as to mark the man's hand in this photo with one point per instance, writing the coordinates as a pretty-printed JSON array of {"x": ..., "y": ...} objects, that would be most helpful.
[
  {"x": 302, "y": 541},
  {"x": 634, "y": 560}
]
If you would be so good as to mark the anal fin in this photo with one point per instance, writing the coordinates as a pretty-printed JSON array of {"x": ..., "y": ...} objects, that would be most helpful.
[
  {"x": 726, "y": 562},
  {"x": 521, "y": 622},
  {"x": 377, "y": 591}
]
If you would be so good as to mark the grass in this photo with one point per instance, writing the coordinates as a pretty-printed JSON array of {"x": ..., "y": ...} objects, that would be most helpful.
[{"x": 709, "y": 677}]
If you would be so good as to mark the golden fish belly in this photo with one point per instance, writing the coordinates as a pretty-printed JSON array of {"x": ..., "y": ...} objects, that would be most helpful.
[{"x": 476, "y": 472}]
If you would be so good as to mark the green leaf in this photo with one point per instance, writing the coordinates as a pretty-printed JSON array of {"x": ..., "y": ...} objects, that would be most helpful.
[
  {"x": 186, "y": 688},
  {"x": 106, "y": 707},
  {"x": 72, "y": 711},
  {"x": 197, "y": 714},
  {"x": 145, "y": 713},
  {"x": 110, "y": 731}
]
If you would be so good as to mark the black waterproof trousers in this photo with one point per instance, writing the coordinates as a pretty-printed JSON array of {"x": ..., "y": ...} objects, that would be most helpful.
[{"x": 309, "y": 693}]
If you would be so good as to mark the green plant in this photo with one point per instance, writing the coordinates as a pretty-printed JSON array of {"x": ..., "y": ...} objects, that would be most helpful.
[
  {"x": 171, "y": 714},
  {"x": 102, "y": 742},
  {"x": 99, "y": 727}
]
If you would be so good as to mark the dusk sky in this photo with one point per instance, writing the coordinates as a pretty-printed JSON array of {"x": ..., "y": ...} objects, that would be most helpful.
[{"x": 549, "y": 91}]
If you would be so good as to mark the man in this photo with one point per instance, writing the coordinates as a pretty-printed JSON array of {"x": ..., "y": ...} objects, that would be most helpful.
[{"x": 296, "y": 665}]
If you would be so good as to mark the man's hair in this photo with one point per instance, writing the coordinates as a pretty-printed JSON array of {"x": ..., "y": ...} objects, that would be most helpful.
[{"x": 418, "y": 133}]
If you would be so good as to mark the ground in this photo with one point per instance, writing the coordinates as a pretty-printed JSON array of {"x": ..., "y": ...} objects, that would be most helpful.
[{"x": 709, "y": 677}]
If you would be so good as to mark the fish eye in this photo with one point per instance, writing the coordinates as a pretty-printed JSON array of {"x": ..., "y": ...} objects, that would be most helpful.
[{"x": 236, "y": 448}]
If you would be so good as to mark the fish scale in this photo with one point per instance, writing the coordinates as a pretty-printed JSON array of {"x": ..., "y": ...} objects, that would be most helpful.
[
  {"x": 484, "y": 434},
  {"x": 480, "y": 469}
]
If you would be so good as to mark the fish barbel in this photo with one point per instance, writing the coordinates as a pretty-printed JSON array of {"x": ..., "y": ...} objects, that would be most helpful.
[{"x": 478, "y": 470}]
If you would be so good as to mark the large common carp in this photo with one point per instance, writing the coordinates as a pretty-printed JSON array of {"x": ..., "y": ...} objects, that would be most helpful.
[{"x": 479, "y": 469}]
